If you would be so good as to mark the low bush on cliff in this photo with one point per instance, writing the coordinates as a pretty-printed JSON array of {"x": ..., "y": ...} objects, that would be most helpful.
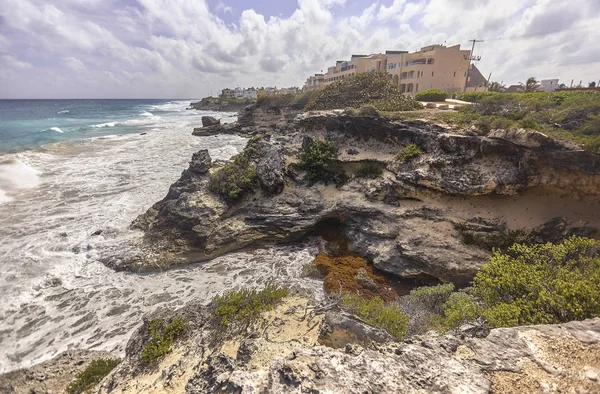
[
  {"x": 241, "y": 308},
  {"x": 294, "y": 101},
  {"x": 374, "y": 311},
  {"x": 532, "y": 284},
  {"x": 423, "y": 304},
  {"x": 235, "y": 178},
  {"x": 162, "y": 336},
  {"x": 372, "y": 88},
  {"x": 431, "y": 95},
  {"x": 319, "y": 161},
  {"x": 572, "y": 116},
  {"x": 369, "y": 170},
  {"x": 408, "y": 152},
  {"x": 92, "y": 375}
]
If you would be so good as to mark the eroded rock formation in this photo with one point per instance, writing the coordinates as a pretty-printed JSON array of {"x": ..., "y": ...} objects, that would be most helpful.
[{"x": 410, "y": 221}]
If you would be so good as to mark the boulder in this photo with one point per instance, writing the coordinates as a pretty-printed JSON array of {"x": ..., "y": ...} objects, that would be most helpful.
[
  {"x": 208, "y": 121},
  {"x": 270, "y": 170},
  {"x": 201, "y": 162}
]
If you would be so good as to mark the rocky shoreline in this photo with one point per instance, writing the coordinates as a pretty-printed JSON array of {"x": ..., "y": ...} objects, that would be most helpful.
[
  {"x": 410, "y": 222},
  {"x": 427, "y": 218}
]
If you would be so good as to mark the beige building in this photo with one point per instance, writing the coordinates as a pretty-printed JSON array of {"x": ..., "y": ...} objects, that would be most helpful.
[{"x": 433, "y": 67}]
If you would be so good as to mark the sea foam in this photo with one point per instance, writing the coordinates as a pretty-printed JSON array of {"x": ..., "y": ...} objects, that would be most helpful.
[
  {"x": 66, "y": 111},
  {"x": 55, "y": 129},
  {"x": 15, "y": 176}
]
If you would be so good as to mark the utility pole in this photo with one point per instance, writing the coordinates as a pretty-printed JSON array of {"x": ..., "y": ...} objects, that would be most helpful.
[{"x": 471, "y": 58}]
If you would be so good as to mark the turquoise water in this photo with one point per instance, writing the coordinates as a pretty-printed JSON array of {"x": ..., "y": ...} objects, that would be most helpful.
[
  {"x": 29, "y": 124},
  {"x": 71, "y": 183}
]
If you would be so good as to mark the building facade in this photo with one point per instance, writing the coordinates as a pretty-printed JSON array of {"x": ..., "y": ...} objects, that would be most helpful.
[{"x": 432, "y": 67}]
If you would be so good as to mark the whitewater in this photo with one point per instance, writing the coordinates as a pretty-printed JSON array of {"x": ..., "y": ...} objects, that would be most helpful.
[{"x": 64, "y": 205}]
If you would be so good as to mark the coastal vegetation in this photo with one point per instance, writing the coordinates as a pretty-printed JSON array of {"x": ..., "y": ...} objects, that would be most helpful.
[
  {"x": 370, "y": 88},
  {"x": 236, "y": 310},
  {"x": 369, "y": 170},
  {"x": 235, "y": 179},
  {"x": 162, "y": 336},
  {"x": 528, "y": 284},
  {"x": 320, "y": 162},
  {"x": 408, "y": 152},
  {"x": 92, "y": 375},
  {"x": 375, "y": 311},
  {"x": 431, "y": 95}
]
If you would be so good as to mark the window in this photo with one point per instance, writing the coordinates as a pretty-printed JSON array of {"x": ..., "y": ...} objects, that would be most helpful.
[
  {"x": 454, "y": 74},
  {"x": 432, "y": 73}
]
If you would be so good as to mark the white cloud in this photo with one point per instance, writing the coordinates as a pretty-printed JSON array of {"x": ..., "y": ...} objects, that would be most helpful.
[
  {"x": 74, "y": 64},
  {"x": 222, "y": 7},
  {"x": 14, "y": 63},
  {"x": 179, "y": 48}
]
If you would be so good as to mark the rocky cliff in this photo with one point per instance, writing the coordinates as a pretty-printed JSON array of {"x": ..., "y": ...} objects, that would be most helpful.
[{"x": 412, "y": 222}]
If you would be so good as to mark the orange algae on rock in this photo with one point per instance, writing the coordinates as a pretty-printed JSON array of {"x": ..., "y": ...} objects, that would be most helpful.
[{"x": 341, "y": 274}]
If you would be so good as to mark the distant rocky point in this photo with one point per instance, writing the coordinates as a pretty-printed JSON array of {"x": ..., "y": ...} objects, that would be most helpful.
[{"x": 221, "y": 104}]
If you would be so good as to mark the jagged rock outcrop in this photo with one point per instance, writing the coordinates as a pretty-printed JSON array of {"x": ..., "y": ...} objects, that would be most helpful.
[
  {"x": 210, "y": 121},
  {"x": 335, "y": 353},
  {"x": 408, "y": 222}
]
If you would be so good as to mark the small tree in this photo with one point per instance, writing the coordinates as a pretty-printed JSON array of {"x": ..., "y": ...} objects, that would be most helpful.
[
  {"x": 318, "y": 160},
  {"x": 592, "y": 85},
  {"x": 496, "y": 87},
  {"x": 530, "y": 86}
]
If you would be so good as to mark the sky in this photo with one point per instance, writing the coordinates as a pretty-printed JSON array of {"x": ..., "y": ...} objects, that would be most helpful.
[{"x": 192, "y": 48}]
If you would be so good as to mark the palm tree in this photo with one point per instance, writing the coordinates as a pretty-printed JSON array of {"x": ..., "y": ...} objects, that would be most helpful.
[
  {"x": 496, "y": 87},
  {"x": 531, "y": 85}
]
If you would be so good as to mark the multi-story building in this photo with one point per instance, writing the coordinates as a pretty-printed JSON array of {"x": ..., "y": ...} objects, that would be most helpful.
[{"x": 432, "y": 67}]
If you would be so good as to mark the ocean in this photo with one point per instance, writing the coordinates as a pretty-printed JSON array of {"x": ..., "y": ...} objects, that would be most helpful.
[{"x": 74, "y": 174}]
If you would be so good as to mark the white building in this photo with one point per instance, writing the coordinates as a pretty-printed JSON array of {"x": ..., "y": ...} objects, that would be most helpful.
[
  {"x": 245, "y": 93},
  {"x": 548, "y": 85}
]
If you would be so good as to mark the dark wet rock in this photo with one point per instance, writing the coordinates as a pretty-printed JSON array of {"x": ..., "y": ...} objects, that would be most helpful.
[
  {"x": 581, "y": 231},
  {"x": 551, "y": 231},
  {"x": 210, "y": 121},
  {"x": 270, "y": 170}
]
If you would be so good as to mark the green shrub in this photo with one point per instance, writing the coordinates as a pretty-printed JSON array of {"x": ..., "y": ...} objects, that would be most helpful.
[
  {"x": 244, "y": 306},
  {"x": 369, "y": 170},
  {"x": 431, "y": 95},
  {"x": 374, "y": 311},
  {"x": 92, "y": 375},
  {"x": 432, "y": 297},
  {"x": 539, "y": 284},
  {"x": 319, "y": 160},
  {"x": 409, "y": 151},
  {"x": 235, "y": 179},
  {"x": 161, "y": 338},
  {"x": 372, "y": 88},
  {"x": 368, "y": 110},
  {"x": 460, "y": 308},
  {"x": 528, "y": 122}
]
